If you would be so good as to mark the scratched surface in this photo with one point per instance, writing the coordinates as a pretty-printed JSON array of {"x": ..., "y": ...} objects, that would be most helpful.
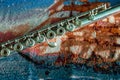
[{"x": 16, "y": 67}]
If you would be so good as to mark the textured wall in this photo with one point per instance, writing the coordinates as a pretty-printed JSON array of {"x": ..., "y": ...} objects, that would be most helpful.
[{"x": 16, "y": 67}]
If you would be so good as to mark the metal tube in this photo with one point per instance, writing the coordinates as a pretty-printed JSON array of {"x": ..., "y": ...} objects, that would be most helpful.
[
  {"x": 82, "y": 21},
  {"x": 101, "y": 15}
]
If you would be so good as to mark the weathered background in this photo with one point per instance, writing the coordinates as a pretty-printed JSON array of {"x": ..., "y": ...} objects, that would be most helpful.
[{"x": 16, "y": 67}]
